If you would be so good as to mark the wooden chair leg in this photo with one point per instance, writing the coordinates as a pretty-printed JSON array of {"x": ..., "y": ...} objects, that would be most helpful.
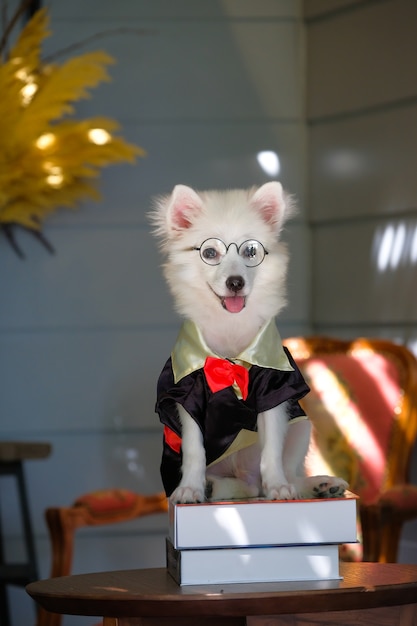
[
  {"x": 381, "y": 535},
  {"x": 61, "y": 533},
  {"x": 45, "y": 618},
  {"x": 389, "y": 542},
  {"x": 371, "y": 525}
]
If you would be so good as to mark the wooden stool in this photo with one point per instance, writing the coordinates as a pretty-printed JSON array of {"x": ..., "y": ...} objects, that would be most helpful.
[{"x": 12, "y": 455}]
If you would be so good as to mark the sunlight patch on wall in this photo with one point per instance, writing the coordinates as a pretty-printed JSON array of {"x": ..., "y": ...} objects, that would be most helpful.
[
  {"x": 413, "y": 247},
  {"x": 269, "y": 162},
  {"x": 395, "y": 245}
]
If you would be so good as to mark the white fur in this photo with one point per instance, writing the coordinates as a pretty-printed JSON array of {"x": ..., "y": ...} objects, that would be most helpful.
[{"x": 182, "y": 222}]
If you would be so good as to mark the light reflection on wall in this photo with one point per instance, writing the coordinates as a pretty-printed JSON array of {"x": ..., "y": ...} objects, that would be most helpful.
[
  {"x": 269, "y": 162},
  {"x": 394, "y": 257},
  {"x": 395, "y": 245},
  {"x": 413, "y": 247},
  {"x": 125, "y": 459},
  {"x": 344, "y": 163}
]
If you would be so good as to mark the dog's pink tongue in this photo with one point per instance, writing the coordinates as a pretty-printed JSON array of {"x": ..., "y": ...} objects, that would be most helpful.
[{"x": 234, "y": 304}]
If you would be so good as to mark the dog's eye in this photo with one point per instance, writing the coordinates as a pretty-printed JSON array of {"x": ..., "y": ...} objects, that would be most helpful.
[
  {"x": 250, "y": 251},
  {"x": 212, "y": 251},
  {"x": 210, "y": 254}
]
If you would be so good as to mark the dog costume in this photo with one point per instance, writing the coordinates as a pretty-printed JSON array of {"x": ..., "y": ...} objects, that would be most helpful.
[{"x": 223, "y": 396}]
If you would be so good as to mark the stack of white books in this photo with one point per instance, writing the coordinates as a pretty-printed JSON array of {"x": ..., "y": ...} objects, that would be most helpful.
[{"x": 259, "y": 540}]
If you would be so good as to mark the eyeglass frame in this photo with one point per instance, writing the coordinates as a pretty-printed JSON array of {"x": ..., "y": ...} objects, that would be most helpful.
[{"x": 226, "y": 248}]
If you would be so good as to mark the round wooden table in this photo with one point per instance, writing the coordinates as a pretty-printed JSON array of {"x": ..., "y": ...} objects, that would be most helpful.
[{"x": 370, "y": 593}]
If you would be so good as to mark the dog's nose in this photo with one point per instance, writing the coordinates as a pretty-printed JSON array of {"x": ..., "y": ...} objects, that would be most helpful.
[{"x": 235, "y": 283}]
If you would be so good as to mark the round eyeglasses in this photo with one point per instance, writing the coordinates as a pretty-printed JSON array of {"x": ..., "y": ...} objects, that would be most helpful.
[{"x": 212, "y": 251}]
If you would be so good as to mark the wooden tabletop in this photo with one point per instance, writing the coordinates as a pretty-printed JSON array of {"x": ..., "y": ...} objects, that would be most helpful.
[{"x": 152, "y": 593}]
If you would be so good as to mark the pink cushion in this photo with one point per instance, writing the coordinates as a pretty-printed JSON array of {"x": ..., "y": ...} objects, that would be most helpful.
[{"x": 353, "y": 404}]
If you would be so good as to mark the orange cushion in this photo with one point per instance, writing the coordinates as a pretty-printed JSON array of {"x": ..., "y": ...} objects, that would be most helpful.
[{"x": 107, "y": 501}]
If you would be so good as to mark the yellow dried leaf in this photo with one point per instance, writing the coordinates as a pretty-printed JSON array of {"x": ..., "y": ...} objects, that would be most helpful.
[{"x": 45, "y": 162}]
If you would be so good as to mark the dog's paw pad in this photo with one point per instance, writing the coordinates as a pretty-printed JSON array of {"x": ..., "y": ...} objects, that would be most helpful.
[{"x": 328, "y": 487}]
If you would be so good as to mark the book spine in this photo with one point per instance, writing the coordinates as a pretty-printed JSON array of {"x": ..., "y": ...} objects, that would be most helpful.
[{"x": 173, "y": 561}]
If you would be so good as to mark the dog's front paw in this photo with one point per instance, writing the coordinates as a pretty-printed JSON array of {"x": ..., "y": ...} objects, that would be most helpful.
[
  {"x": 329, "y": 487},
  {"x": 280, "y": 492},
  {"x": 187, "y": 495},
  {"x": 323, "y": 487}
]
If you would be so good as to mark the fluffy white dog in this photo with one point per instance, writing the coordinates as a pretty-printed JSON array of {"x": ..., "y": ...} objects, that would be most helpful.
[{"x": 228, "y": 395}]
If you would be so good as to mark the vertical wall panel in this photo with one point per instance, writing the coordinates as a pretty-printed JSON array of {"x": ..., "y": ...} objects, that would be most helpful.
[
  {"x": 362, "y": 58},
  {"x": 361, "y": 158}
]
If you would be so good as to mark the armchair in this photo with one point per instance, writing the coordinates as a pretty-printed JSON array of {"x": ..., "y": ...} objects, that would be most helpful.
[{"x": 363, "y": 406}]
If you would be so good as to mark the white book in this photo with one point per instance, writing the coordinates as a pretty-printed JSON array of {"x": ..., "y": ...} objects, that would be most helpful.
[
  {"x": 263, "y": 522},
  {"x": 252, "y": 565}
]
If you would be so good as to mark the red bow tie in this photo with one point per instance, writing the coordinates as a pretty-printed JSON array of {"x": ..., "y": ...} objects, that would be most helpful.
[{"x": 221, "y": 373}]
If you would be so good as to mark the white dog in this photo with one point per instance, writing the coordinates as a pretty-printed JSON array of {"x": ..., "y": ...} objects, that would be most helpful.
[{"x": 228, "y": 396}]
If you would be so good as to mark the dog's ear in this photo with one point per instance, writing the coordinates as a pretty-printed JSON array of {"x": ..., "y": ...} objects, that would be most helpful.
[
  {"x": 272, "y": 204},
  {"x": 184, "y": 204}
]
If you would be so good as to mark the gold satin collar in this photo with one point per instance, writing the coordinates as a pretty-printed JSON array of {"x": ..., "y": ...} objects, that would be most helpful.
[{"x": 190, "y": 351}]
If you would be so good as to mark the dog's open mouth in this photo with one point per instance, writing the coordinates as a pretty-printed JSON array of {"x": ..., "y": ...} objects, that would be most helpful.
[{"x": 233, "y": 304}]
